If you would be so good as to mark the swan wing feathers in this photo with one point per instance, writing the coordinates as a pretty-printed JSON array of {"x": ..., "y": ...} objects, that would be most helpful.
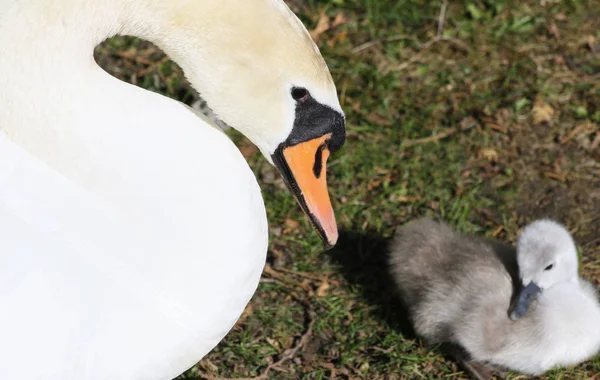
[{"x": 129, "y": 282}]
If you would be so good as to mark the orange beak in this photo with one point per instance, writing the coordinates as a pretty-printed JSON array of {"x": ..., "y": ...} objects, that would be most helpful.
[{"x": 303, "y": 167}]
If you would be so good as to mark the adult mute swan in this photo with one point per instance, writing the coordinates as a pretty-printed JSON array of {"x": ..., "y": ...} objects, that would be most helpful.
[
  {"x": 132, "y": 233},
  {"x": 525, "y": 309}
]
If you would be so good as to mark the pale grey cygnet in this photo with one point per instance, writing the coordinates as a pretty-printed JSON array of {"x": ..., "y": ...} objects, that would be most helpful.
[{"x": 525, "y": 310}]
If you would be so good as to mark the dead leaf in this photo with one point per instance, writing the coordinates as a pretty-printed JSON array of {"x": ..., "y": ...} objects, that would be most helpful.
[
  {"x": 364, "y": 367},
  {"x": 585, "y": 128},
  {"x": 488, "y": 153},
  {"x": 560, "y": 17},
  {"x": 291, "y": 224},
  {"x": 209, "y": 366},
  {"x": 379, "y": 120},
  {"x": 405, "y": 198},
  {"x": 542, "y": 113},
  {"x": 322, "y": 289},
  {"x": 373, "y": 184},
  {"x": 273, "y": 342},
  {"x": 503, "y": 116},
  {"x": 133, "y": 55},
  {"x": 341, "y": 36},
  {"x": 322, "y": 27},
  {"x": 325, "y": 23},
  {"x": 247, "y": 148},
  {"x": 553, "y": 29},
  {"x": 247, "y": 312},
  {"x": 340, "y": 19},
  {"x": 239, "y": 325},
  {"x": 592, "y": 44},
  {"x": 129, "y": 54},
  {"x": 561, "y": 177},
  {"x": 497, "y": 127},
  {"x": 467, "y": 123}
]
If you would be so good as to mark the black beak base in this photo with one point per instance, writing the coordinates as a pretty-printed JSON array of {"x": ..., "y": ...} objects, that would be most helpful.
[{"x": 313, "y": 122}]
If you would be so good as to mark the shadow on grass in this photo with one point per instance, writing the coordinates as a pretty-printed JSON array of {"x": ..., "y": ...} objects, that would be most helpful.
[{"x": 362, "y": 257}]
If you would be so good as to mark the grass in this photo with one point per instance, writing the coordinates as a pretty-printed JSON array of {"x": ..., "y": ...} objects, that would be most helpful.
[{"x": 491, "y": 123}]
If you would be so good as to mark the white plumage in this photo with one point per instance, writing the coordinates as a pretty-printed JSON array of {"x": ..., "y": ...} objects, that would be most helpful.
[
  {"x": 127, "y": 258},
  {"x": 132, "y": 232}
]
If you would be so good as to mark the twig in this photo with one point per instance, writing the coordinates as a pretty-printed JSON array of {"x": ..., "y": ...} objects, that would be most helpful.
[
  {"x": 396, "y": 37},
  {"x": 305, "y": 275},
  {"x": 280, "y": 282},
  {"x": 426, "y": 46},
  {"x": 442, "y": 18},
  {"x": 343, "y": 92},
  {"x": 151, "y": 67},
  {"x": 591, "y": 78},
  {"x": 290, "y": 352},
  {"x": 366, "y": 45},
  {"x": 385, "y": 351},
  {"x": 438, "y": 37},
  {"x": 584, "y": 128},
  {"x": 280, "y": 278},
  {"x": 442, "y": 135}
]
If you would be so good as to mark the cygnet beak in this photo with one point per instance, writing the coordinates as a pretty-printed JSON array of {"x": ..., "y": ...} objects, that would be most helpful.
[{"x": 522, "y": 302}]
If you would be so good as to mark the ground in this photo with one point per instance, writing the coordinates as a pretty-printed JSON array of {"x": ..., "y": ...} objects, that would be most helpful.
[{"x": 484, "y": 113}]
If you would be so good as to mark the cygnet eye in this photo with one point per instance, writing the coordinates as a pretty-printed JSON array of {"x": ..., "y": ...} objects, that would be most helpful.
[{"x": 549, "y": 267}]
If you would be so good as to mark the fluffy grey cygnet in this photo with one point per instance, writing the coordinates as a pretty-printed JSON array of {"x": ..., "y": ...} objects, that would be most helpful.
[{"x": 525, "y": 309}]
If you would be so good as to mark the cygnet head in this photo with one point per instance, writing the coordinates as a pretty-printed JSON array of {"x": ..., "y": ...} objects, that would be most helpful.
[{"x": 547, "y": 257}]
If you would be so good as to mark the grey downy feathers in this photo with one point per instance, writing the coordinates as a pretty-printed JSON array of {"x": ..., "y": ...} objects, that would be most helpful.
[{"x": 525, "y": 310}]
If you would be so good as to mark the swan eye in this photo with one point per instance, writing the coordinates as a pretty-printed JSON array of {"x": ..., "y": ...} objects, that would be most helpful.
[
  {"x": 549, "y": 267},
  {"x": 299, "y": 94}
]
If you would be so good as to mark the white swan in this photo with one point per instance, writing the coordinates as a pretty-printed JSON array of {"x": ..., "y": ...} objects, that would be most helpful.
[
  {"x": 132, "y": 235},
  {"x": 458, "y": 291}
]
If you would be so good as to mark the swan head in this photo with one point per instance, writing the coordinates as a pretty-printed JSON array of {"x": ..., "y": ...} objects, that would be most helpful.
[
  {"x": 259, "y": 70},
  {"x": 546, "y": 256}
]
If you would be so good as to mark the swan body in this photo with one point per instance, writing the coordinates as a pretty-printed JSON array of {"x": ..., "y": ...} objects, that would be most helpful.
[
  {"x": 464, "y": 291},
  {"x": 132, "y": 231}
]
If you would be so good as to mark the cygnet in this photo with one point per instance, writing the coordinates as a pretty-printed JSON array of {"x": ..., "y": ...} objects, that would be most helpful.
[{"x": 497, "y": 308}]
